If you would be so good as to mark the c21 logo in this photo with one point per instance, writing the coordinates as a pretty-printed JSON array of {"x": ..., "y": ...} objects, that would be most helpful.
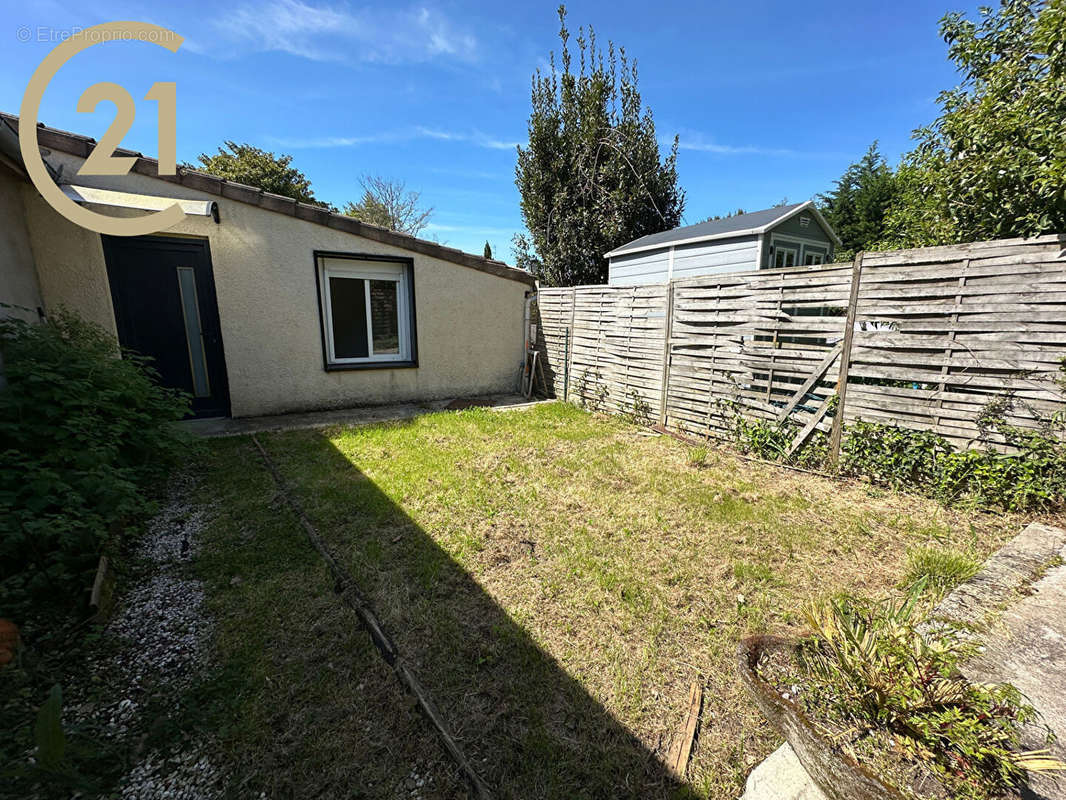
[{"x": 101, "y": 160}]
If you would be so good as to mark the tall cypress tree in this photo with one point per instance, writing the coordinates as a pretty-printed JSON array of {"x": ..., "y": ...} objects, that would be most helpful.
[
  {"x": 592, "y": 177},
  {"x": 859, "y": 203}
]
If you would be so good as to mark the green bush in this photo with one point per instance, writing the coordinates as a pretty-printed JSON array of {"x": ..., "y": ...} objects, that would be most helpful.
[
  {"x": 1033, "y": 477},
  {"x": 899, "y": 458},
  {"x": 771, "y": 440},
  {"x": 81, "y": 434},
  {"x": 1030, "y": 477}
]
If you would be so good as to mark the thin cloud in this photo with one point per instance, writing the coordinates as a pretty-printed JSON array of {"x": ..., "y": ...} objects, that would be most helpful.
[
  {"x": 479, "y": 229},
  {"x": 338, "y": 33},
  {"x": 698, "y": 142},
  {"x": 324, "y": 142},
  {"x": 475, "y": 138},
  {"x": 497, "y": 144}
]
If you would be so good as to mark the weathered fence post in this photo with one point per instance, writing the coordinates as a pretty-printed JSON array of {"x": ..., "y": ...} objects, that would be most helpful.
[
  {"x": 845, "y": 359},
  {"x": 566, "y": 367},
  {"x": 572, "y": 337},
  {"x": 667, "y": 333}
]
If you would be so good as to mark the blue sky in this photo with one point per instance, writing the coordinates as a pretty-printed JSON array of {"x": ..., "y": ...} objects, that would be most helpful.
[{"x": 770, "y": 99}]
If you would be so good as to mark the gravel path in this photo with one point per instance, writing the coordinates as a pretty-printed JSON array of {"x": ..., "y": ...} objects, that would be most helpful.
[{"x": 159, "y": 640}]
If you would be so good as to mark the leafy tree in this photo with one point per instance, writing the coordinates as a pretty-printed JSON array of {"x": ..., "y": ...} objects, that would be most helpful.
[
  {"x": 388, "y": 204},
  {"x": 591, "y": 177},
  {"x": 488, "y": 250},
  {"x": 245, "y": 163},
  {"x": 857, "y": 207},
  {"x": 993, "y": 164}
]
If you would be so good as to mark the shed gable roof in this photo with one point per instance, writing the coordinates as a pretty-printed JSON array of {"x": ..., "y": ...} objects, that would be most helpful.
[
  {"x": 79, "y": 145},
  {"x": 740, "y": 225}
]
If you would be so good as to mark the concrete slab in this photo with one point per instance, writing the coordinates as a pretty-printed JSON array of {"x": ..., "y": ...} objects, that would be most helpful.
[
  {"x": 1015, "y": 607},
  {"x": 366, "y": 415},
  {"x": 781, "y": 777}
]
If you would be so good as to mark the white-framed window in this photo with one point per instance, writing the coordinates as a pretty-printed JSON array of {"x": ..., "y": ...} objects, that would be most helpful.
[
  {"x": 813, "y": 259},
  {"x": 367, "y": 310},
  {"x": 785, "y": 256}
]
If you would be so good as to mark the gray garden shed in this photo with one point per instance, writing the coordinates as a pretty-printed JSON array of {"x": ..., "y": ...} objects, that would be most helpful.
[{"x": 783, "y": 236}]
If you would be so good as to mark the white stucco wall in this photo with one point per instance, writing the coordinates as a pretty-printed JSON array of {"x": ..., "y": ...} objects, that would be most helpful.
[
  {"x": 469, "y": 323},
  {"x": 18, "y": 279}
]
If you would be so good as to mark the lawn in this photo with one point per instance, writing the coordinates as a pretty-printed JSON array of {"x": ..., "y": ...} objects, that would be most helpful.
[{"x": 556, "y": 579}]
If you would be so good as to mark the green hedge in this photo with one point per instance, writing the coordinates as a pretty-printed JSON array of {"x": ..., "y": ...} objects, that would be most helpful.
[
  {"x": 82, "y": 433},
  {"x": 1031, "y": 477}
]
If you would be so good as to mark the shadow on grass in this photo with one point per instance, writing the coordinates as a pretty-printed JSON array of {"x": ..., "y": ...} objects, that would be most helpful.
[{"x": 530, "y": 729}]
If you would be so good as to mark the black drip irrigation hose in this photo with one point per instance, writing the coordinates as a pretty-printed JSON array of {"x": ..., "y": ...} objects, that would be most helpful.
[{"x": 351, "y": 595}]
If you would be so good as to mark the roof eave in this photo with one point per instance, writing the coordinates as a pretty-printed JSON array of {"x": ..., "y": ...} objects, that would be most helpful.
[
  {"x": 79, "y": 145},
  {"x": 623, "y": 250},
  {"x": 806, "y": 206}
]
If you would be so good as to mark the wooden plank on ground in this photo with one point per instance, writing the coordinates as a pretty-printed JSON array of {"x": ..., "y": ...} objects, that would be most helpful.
[{"x": 681, "y": 748}]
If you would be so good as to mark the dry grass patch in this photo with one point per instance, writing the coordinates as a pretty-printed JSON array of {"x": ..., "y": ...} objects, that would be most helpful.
[{"x": 560, "y": 579}]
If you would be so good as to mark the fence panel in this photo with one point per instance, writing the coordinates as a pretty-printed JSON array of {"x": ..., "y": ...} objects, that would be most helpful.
[
  {"x": 936, "y": 342},
  {"x": 748, "y": 341},
  {"x": 617, "y": 342},
  {"x": 555, "y": 319},
  {"x": 938, "y": 334}
]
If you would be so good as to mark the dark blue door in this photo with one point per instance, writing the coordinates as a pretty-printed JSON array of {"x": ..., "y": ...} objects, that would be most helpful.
[{"x": 163, "y": 290}]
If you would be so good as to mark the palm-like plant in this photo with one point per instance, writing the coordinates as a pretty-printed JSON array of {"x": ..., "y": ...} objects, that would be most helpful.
[{"x": 867, "y": 669}]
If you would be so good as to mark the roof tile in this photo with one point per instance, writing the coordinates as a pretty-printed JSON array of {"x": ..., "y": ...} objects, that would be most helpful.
[{"x": 79, "y": 145}]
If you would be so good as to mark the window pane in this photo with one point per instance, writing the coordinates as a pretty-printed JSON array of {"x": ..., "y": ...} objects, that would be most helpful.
[
  {"x": 191, "y": 310},
  {"x": 385, "y": 317},
  {"x": 347, "y": 303}
]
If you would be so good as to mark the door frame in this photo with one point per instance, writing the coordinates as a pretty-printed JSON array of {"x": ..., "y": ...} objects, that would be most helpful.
[{"x": 208, "y": 300}]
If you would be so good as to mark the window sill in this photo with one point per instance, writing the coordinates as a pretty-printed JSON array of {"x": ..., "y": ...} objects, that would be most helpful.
[{"x": 372, "y": 365}]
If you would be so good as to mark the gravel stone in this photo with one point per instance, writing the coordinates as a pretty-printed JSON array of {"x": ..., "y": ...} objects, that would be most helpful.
[{"x": 162, "y": 634}]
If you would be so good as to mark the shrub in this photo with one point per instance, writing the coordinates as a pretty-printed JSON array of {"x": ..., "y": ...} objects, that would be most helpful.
[
  {"x": 1032, "y": 477},
  {"x": 771, "y": 440},
  {"x": 896, "y": 457},
  {"x": 81, "y": 434},
  {"x": 869, "y": 673},
  {"x": 639, "y": 411},
  {"x": 697, "y": 457}
]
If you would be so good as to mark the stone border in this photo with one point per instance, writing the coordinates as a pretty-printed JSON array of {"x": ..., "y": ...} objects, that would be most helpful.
[{"x": 972, "y": 606}]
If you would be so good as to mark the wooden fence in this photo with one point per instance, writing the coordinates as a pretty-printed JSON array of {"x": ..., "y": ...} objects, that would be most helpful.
[{"x": 923, "y": 339}]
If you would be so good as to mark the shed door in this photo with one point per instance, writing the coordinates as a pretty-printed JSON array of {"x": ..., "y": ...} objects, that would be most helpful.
[{"x": 163, "y": 290}]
